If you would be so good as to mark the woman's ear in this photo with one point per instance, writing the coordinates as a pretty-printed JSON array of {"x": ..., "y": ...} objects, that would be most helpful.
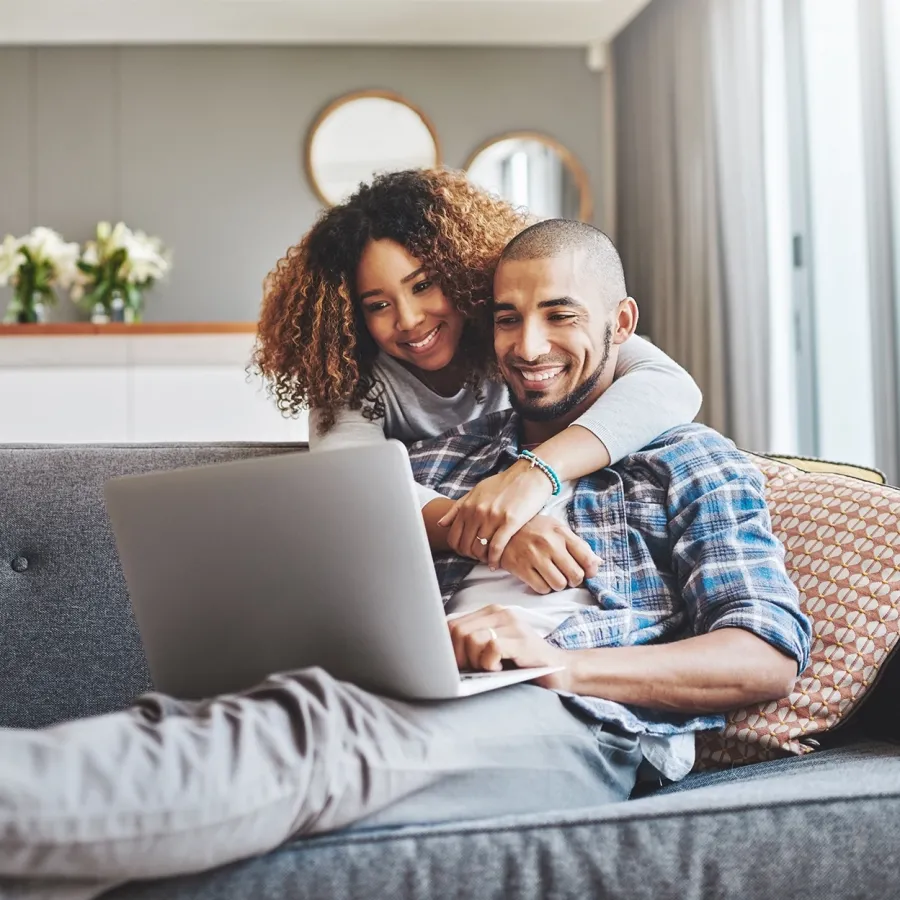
[{"x": 626, "y": 320}]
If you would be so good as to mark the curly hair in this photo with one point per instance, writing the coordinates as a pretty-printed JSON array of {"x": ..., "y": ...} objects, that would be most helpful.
[{"x": 313, "y": 346}]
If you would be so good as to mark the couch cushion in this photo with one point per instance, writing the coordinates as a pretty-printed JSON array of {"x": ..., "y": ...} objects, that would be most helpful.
[
  {"x": 810, "y": 464},
  {"x": 842, "y": 550},
  {"x": 69, "y": 646},
  {"x": 827, "y": 831}
]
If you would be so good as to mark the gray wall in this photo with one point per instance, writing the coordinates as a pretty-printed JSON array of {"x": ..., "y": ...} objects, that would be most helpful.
[{"x": 202, "y": 145}]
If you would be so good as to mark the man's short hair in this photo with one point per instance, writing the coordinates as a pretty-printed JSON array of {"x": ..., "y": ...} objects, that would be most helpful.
[{"x": 553, "y": 237}]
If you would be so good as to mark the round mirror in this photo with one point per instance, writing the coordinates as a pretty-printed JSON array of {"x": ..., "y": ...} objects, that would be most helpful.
[
  {"x": 535, "y": 171},
  {"x": 362, "y": 134}
]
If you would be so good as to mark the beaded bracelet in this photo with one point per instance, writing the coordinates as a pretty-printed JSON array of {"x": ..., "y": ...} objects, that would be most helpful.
[{"x": 546, "y": 468}]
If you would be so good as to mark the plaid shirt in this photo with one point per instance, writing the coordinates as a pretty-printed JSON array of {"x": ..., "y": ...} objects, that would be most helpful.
[{"x": 686, "y": 541}]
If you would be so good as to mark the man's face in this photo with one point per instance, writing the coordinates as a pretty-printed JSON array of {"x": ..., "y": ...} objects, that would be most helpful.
[{"x": 555, "y": 338}]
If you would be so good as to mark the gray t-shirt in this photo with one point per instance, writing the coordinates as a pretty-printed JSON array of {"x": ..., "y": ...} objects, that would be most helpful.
[{"x": 413, "y": 412}]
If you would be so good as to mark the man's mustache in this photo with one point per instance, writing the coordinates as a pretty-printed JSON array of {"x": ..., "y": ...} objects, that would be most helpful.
[{"x": 514, "y": 362}]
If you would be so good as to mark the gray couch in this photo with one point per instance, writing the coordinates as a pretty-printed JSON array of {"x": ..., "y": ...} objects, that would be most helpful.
[{"x": 825, "y": 826}]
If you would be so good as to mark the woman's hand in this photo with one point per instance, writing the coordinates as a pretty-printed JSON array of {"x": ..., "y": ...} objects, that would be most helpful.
[
  {"x": 495, "y": 510},
  {"x": 548, "y": 556}
]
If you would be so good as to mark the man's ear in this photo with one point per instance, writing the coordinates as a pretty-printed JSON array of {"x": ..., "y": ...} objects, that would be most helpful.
[{"x": 626, "y": 320}]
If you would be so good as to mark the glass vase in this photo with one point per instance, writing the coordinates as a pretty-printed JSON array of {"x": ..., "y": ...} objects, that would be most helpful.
[
  {"x": 134, "y": 311},
  {"x": 26, "y": 310},
  {"x": 116, "y": 308}
]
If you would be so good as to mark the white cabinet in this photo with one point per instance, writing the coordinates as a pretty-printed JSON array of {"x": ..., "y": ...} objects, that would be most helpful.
[
  {"x": 205, "y": 403},
  {"x": 141, "y": 388},
  {"x": 77, "y": 404}
]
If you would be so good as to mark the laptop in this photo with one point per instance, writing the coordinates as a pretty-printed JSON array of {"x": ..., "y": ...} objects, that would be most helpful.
[{"x": 242, "y": 569}]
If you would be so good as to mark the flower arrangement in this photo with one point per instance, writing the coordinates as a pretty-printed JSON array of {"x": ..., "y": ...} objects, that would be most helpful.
[
  {"x": 35, "y": 265},
  {"x": 116, "y": 268}
]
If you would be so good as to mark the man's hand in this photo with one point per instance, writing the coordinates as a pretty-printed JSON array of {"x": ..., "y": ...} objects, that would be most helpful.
[
  {"x": 548, "y": 556},
  {"x": 484, "y": 638},
  {"x": 495, "y": 509}
]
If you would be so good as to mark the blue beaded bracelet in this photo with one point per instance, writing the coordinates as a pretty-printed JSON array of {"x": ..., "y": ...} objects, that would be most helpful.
[{"x": 546, "y": 468}]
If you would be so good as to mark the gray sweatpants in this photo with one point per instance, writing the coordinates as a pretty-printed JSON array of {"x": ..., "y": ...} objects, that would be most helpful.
[{"x": 168, "y": 787}]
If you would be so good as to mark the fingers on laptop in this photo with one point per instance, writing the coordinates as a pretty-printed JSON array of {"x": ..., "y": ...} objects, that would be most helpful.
[
  {"x": 477, "y": 640},
  {"x": 490, "y": 657}
]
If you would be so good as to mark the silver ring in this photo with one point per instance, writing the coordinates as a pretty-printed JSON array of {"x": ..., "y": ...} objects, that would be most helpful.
[{"x": 482, "y": 541}]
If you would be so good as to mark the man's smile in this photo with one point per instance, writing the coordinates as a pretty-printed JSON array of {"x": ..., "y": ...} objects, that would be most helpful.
[{"x": 539, "y": 378}]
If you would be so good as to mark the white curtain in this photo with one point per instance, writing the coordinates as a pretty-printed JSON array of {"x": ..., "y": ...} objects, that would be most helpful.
[
  {"x": 691, "y": 217},
  {"x": 880, "y": 42}
]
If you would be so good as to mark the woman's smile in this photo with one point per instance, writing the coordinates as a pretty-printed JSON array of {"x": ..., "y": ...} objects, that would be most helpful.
[{"x": 427, "y": 343}]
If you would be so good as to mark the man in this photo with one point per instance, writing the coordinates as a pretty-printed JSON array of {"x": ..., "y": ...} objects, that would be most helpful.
[
  {"x": 682, "y": 527},
  {"x": 690, "y": 613}
]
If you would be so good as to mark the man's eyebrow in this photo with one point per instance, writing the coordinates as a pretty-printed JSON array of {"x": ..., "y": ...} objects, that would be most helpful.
[
  {"x": 560, "y": 301},
  {"x": 376, "y": 291},
  {"x": 544, "y": 304}
]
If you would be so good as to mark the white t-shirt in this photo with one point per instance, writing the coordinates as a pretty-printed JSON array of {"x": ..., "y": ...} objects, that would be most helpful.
[{"x": 545, "y": 613}]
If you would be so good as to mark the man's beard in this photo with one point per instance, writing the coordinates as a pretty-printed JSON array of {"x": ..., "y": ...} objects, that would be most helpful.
[{"x": 565, "y": 405}]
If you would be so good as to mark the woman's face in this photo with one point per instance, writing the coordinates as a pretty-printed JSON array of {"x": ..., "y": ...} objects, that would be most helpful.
[{"x": 405, "y": 309}]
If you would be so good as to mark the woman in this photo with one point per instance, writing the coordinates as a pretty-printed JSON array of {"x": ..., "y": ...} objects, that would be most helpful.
[{"x": 376, "y": 321}]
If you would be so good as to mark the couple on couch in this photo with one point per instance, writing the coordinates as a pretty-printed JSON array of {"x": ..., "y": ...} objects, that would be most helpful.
[{"x": 586, "y": 527}]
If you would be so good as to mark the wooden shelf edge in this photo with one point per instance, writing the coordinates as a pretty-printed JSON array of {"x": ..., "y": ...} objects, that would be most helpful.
[{"x": 118, "y": 328}]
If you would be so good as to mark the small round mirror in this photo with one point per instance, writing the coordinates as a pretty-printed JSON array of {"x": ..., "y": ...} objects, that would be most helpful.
[
  {"x": 363, "y": 134},
  {"x": 534, "y": 171}
]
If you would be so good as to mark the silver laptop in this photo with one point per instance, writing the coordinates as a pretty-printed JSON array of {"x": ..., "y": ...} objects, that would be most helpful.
[{"x": 238, "y": 570}]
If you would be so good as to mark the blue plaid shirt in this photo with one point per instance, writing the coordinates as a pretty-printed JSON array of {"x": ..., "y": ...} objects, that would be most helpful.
[{"x": 686, "y": 541}]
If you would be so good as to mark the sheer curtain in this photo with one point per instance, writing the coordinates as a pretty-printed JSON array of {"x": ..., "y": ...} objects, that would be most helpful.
[
  {"x": 880, "y": 46},
  {"x": 691, "y": 216}
]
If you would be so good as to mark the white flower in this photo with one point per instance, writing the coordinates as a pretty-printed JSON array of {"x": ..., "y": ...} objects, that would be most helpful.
[
  {"x": 140, "y": 271},
  {"x": 42, "y": 242},
  {"x": 146, "y": 261},
  {"x": 120, "y": 236},
  {"x": 90, "y": 255},
  {"x": 66, "y": 264},
  {"x": 47, "y": 246},
  {"x": 64, "y": 259},
  {"x": 11, "y": 258}
]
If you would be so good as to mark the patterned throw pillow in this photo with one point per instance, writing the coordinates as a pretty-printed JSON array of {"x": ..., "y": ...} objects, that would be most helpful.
[{"x": 842, "y": 543}]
